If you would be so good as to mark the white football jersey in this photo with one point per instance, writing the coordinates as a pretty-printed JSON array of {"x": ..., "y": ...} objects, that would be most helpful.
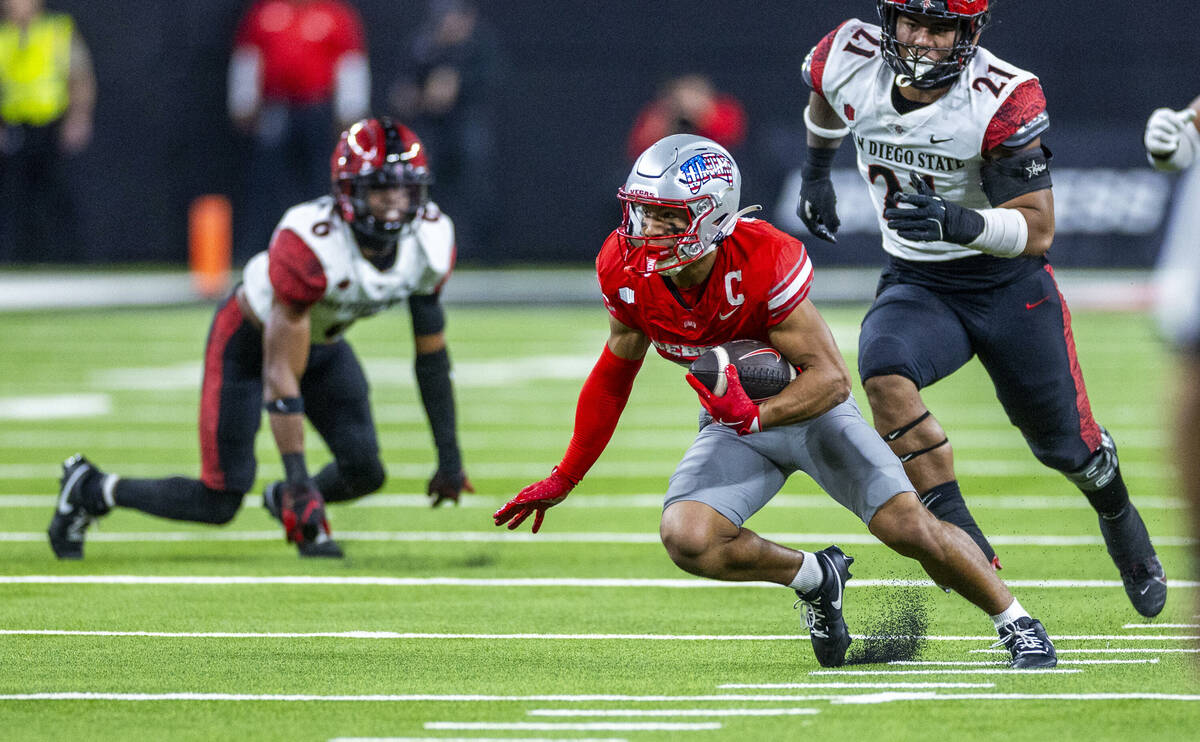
[
  {"x": 942, "y": 142},
  {"x": 314, "y": 259}
]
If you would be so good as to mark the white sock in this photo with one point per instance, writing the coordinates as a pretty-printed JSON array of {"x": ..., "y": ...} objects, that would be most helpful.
[
  {"x": 1010, "y": 614},
  {"x": 108, "y": 487},
  {"x": 810, "y": 575}
]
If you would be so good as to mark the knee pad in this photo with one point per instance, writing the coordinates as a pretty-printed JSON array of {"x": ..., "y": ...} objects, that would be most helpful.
[
  {"x": 363, "y": 477},
  {"x": 1100, "y": 469},
  {"x": 882, "y": 355},
  {"x": 222, "y": 506}
]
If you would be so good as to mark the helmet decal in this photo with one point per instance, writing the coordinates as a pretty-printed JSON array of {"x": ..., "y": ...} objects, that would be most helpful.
[{"x": 702, "y": 168}]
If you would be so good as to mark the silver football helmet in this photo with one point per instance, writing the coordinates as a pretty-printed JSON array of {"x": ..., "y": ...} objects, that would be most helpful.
[{"x": 680, "y": 171}]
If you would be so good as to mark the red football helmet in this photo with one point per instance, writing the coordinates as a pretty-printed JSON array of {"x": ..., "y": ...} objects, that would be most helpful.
[
  {"x": 969, "y": 18},
  {"x": 379, "y": 153}
]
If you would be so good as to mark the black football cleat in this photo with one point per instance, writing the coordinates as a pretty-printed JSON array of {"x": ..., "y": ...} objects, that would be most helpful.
[
  {"x": 71, "y": 519},
  {"x": 1142, "y": 573},
  {"x": 303, "y": 520},
  {"x": 1028, "y": 643},
  {"x": 823, "y": 608}
]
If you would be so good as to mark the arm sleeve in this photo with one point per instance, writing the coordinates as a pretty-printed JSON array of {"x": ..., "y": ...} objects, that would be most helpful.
[
  {"x": 437, "y": 395},
  {"x": 794, "y": 275},
  {"x": 1020, "y": 119},
  {"x": 296, "y": 273},
  {"x": 601, "y": 402}
]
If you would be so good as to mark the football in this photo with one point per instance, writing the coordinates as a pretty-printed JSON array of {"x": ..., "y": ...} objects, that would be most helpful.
[{"x": 764, "y": 371}]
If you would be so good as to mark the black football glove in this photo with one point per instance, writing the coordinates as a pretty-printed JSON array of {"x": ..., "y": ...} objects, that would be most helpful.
[
  {"x": 447, "y": 487},
  {"x": 934, "y": 219},
  {"x": 817, "y": 205}
]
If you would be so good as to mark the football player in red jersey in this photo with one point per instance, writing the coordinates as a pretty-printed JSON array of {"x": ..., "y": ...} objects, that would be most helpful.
[
  {"x": 948, "y": 139},
  {"x": 685, "y": 272},
  {"x": 278, "y": 341}
]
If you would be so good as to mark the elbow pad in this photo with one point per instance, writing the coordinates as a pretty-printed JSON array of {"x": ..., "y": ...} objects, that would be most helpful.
[{"x": 1007, "y": 178}]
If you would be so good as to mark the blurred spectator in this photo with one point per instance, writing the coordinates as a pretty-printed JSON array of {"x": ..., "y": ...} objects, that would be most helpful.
[
  {"x": 449, "y": 92},
  {"x": 689, "y": 105},
  {"x": 298, "y": 75},
  {"x": 47, "y": 94},
  {"x": 1172, "y": 142}
]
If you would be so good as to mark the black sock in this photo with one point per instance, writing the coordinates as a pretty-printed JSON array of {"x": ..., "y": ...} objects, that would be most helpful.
[
  {"x": 178, "y": 498},
  {"x": 946, "y": 502},
  {"x": 1111, "y": 500}
]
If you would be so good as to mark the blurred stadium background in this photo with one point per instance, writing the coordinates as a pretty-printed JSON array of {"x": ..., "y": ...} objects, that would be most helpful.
[{"x": 576, "y": 76}]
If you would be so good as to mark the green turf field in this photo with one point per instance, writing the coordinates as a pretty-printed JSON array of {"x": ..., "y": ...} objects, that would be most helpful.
[{"x": 439, "y": 626}]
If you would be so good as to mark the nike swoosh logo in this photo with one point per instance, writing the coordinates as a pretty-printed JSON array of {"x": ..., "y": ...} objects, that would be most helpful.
[
  {"x": 727, "y": 315},
  {"x": 1145, "y": 590},
  {"x": 837, "y": 604},
  {"x": 934, "y": 140},
  {"x": 1039, "y": 301}
]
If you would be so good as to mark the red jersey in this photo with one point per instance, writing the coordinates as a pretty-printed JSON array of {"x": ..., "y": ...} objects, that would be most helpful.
[
  {"x": 760, "y": 275},
  {"x": 300, "y": 44}
]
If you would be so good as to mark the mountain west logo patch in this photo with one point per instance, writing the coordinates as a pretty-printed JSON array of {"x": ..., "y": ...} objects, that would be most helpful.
[{"x": 699, "y": 170}]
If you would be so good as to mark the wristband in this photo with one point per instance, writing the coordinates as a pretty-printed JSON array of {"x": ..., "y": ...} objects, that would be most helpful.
[
  {"x": 821, "y": 131},
  {"x": 285, "y": 406},
  {"x": 1005, "y": 233},
  {"x": 818, "y": 162}
]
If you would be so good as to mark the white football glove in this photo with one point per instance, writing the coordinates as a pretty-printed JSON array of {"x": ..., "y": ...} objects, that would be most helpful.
[{"x": 1171, "y": 139}]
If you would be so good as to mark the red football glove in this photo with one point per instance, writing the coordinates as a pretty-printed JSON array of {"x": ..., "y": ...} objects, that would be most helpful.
[
  {"x": 447, "y": 486},
  {"x": 302, "y": 511},
  {"x": 535, "y": 499},
  {"x": 732, "y": 409}
]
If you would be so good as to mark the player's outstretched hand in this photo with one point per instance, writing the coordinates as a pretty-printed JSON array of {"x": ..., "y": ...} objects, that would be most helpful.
[
  {"x": 447, "y": 487},
  {"x": 1165, "y": 129},
  {"x": 817, "y": 207},
  {"x": 534, "y": 500},
  {"x": 733, "y": 409},
  {"x": 931, "y": 218}
]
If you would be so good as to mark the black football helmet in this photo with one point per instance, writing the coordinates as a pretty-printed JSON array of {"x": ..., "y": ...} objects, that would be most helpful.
[{"x": 969, "y": 17}]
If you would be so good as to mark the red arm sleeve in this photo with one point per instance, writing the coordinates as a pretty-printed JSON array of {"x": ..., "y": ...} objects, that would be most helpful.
[
  {"x": 295, "y": 271},
  {"x": 601, "y": 402}
]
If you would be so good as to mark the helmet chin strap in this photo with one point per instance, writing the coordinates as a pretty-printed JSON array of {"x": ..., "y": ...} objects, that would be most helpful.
[{"x": 724, "y": 232}]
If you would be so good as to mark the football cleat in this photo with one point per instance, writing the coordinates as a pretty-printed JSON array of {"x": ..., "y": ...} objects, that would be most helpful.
[
  {"x": 71, "y": 519},
  {"x": 823, "y": 608},
  {"x": 303, "y": 519},
  {"x": 1026, "y": 639},
  {"x": 1142, "y": 573}
]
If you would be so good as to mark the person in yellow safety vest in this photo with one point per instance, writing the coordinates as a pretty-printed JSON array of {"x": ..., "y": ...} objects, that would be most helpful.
[{"x": 47, "y": 95}]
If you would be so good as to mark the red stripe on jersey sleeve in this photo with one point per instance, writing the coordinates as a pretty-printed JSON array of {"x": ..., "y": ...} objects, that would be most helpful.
[
  {"x": 819, "y": 58},
  {"x": 296, "y": 273},
  {"x": 1021, "y": 106}
]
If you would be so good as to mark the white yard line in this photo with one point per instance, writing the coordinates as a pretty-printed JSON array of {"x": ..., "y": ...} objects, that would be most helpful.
[
  {"x": 1023, "y": 467},
  {"x": 503, "y": 582},
  {"x": 586, "y": 726},
  {"x": 974, "y": 671},
  {"x": 1161, "y": 626},
  {"x": 478, "y": 739},
  {"x": 392, "y": 635},
  {"x": 503, "y": 536},
  {"x": 993, "y": 663},
  {"x": 649, "y": 501},
  {"x": 848, "y": 686},
  {"x": 672, "y": 712},
  {"x": 1110, "y": 650},
  {"x": 593, "y": 698}
]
